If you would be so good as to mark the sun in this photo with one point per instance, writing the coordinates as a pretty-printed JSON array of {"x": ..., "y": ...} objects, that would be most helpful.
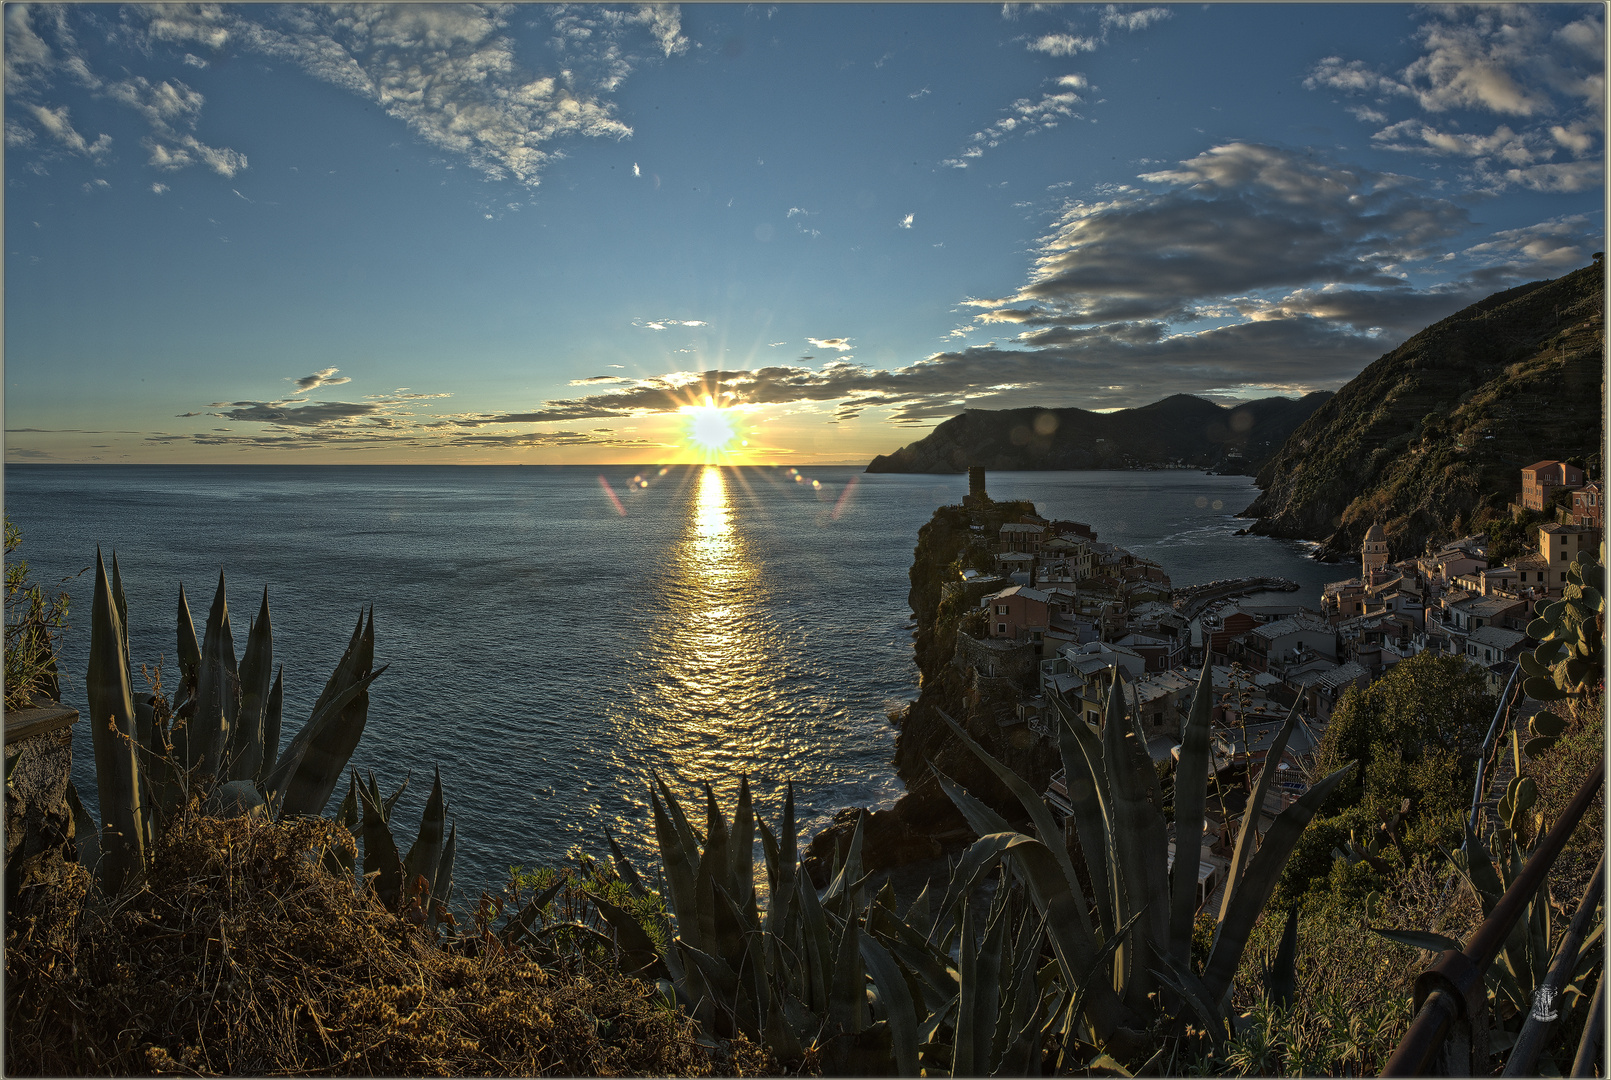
[{"x": 711, "y": 427}]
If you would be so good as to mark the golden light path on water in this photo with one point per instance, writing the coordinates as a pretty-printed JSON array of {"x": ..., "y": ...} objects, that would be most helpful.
[{"x": 723, "y": 670}]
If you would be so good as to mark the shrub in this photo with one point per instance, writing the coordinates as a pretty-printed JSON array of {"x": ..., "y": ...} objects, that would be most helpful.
[{"x": 33, "y": 624}]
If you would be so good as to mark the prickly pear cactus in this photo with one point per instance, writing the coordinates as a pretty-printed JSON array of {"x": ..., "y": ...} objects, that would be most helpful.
[{"x": 1570, "y": 659}]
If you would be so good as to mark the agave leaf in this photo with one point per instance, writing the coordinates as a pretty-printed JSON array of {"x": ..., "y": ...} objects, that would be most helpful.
[
  {"x": 817, "y": 954},
  {"x": 1085, "y": 777},
  {"x": 272, "y": 710},
  {"x": 426, "y": 851},
  {"x": 318, "y": 755},
  {"x": 519, "y": 925},
  {"x": 189, "y": 650},
  {"x": 917, "y": 916},
  {"x": 847, "y": 992},
  {"x": 1196, "y": 995},
  {"x": 847, "y": 881},
  {"x": 1281, "y": 978},
  {"x": 207, "y": 734},
  {"x": 623, "y": 866},
  {"x": 86, "y": 836},
  {"x": 741, "y": 846},
  {"x": 391, "y": 800},
  {"x": 1263, "y": 871},
  {"x": 965, "y": 1056},
  {"x": 712, "y": 868},
  {"x": 643, "y": 958},
  {"x": 112, "y": 728},
  {"x": 980, "y": 1013},
  {"x": 679, "y": 862},
  {"x": 122, "y": 603},
  {"x": 1046, "y": 829},
  {"x": 245, "y": 751},
  {"x": 1018, "y": 1034},
  {"x": 1191, "y": 798},
  {"x": 980, "y": 818},
  {"x": 931, "y": 969},
  {"x": 1140, "y": 842},
  {"x": 442, "y": 884},
  {"x": 380, "y": 855},
  {"x": 1247, "y": 836}
]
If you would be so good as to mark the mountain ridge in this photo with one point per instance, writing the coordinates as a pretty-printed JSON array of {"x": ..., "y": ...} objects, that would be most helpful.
[{"x": 1181, "y": 429}]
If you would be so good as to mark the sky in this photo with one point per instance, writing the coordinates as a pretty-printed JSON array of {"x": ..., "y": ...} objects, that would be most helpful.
[{"x": 781, "y": 234}]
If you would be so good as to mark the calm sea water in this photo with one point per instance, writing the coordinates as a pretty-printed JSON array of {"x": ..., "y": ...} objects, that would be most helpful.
[{"x": 555, "y": 633}]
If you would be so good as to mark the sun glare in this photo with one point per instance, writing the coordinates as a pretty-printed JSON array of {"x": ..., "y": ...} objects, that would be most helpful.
[{"x": 710, "y": 427}]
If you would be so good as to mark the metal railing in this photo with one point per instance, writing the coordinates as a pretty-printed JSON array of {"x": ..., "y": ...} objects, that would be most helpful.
[{"x": 1451, "y": 1001}]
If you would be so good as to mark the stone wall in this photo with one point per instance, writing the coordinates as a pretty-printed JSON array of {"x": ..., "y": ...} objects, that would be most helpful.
[
  {"x": 39, "y": 824},
  {"x": 1019, "y": 663}
]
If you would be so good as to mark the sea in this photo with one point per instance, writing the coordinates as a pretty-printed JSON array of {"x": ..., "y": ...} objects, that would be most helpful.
[{"x": 555, "y": 636}]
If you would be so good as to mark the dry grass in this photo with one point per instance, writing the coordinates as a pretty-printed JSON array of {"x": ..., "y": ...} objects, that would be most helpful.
[{"x": 239, "y": 954}]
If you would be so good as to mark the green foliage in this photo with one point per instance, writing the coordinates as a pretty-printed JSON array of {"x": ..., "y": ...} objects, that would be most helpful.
[
  {"x": 1509, "y": 536},
  {"x": 1426, "y": 714},
  {"x": 33, "y": 625},
  {"x": 1131, "y": 965},
  {"x": 219, "y": 733}
]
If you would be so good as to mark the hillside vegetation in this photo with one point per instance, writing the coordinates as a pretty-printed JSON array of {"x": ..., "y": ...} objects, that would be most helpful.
[
  {"x": 1180, "y": 429},
  {"x": 1430, "y": 439}
]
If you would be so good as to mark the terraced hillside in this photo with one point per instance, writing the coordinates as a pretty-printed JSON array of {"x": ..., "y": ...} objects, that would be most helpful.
[{"x": 1430, "y": 439}]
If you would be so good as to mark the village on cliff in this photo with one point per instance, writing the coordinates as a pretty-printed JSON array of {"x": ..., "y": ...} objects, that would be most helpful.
[{"x": 1064, "y": 612}]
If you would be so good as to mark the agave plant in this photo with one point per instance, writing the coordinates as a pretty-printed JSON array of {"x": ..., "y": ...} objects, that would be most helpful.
[
  {"x": 418, "y": 885},
  {"x": 222, "y": 729},
  {"x": 1125, "y": 952},
  {"x": 855, "y": 985}
]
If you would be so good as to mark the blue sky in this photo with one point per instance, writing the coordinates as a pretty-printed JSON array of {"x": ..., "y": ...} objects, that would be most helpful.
[{"x": 540, "y": 233}]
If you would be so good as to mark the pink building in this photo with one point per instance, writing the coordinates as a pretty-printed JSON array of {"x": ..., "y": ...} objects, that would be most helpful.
[
  {"x": 1018, "y": 614},
  {"x": 1541, "y": 479}
]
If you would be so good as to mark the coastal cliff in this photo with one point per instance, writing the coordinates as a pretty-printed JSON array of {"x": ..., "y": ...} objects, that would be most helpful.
[
  {"x": 1430, "y": 440},
  {"x": 923, "y": 824},
  {"x": 1180, "y": 430}
]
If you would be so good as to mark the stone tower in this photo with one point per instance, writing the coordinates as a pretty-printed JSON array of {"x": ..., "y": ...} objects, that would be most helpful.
[
  {"x": 1373, "y": 556},
  {"x": 976, "y": 496}
]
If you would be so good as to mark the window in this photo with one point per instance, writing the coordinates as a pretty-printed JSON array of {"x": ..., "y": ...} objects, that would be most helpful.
[
  {"x": 1001, "y": 628},
  {"x": 1001, "y": 609}
]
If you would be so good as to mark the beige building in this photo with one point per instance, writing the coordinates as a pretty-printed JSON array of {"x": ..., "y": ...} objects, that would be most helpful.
[{"x": 1373, "y": 555}]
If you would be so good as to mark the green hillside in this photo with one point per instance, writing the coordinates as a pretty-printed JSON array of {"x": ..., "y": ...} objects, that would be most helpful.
[{"x": 1430, "y": 440}]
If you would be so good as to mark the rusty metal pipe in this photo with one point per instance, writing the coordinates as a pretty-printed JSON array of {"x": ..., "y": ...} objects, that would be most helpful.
[
  {"x": 1458, "y": 974},
  {"x": 1537, "y": 1030}
]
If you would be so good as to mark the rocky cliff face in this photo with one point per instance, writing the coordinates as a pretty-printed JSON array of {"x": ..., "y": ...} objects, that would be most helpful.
[
  {"x": 923, "y": 823},
  {"x": 1432, "y": 437},
  {"x": 1180, "y": 429}
]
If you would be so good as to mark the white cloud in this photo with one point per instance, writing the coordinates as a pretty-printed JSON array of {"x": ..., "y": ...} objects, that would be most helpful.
[
  {"x": 159, "y": 188},
  {"x": 326, "y": 377},
  {"x": 1026, "y": 115},
  {"x": 838, "y": 343},
  {"x": 635, "y": 170},
  {"x": 58, "y": 126},
  {"x": 1063, "y": 44},
  {"x": 905, "y": 222},
  {"x": 1539, "y": 67},
  {"x": 663, "y": 324},
  {"x": 450, "y": 72}
]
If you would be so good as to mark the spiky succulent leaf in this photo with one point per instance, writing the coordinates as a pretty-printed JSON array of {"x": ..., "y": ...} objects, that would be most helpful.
[
  {"x": 189, "y": 649},
  {"x": 207, "y": 734},
  {"x": 246, "y": 748},
  {"x": 1191, "y": 799},
  {"x": 272, "y": 711},
  {"x": 1247, "y": 836},
  {"x": 442, "y": 884},
  {"x": 380, "y": 854},
  {"x": 426, "y": 850},
  {"x": 680, "y": 862},
  {"x": 314, "y": 761},
  {"x": 1140, "y": 845},
  {"x": 1263, "y": 871},
  {"x": 112, "y": 729},
  {"x": 86, "y": 837}
]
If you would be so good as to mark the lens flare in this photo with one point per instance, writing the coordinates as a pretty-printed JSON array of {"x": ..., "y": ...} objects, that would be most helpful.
[{"x": 711, "y": 427}]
